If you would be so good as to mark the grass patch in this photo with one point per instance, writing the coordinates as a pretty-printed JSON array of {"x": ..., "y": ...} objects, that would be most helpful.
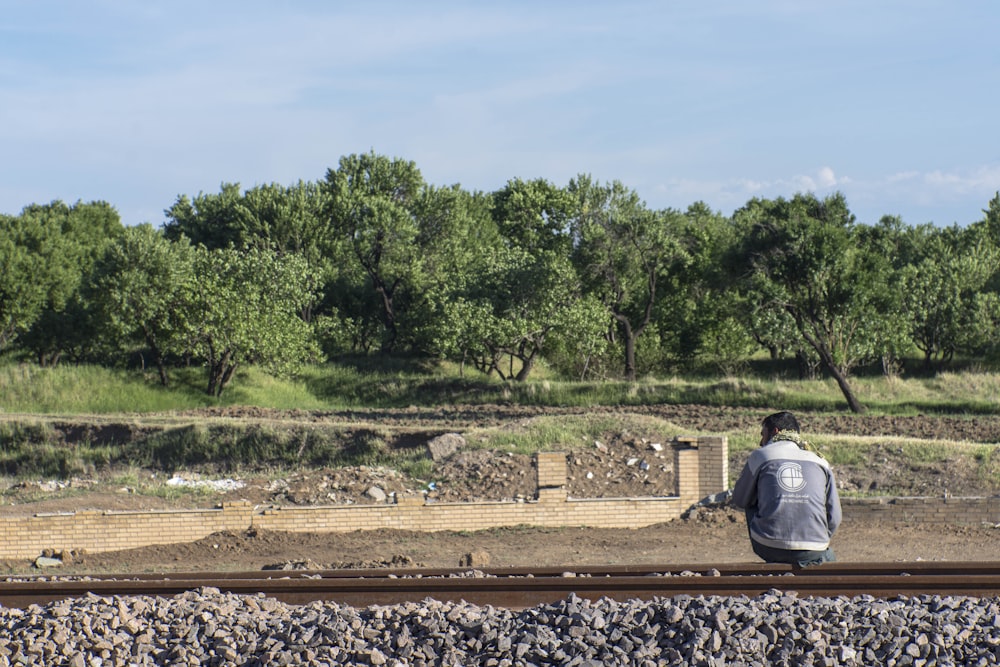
[
  {"x": 69, "y": 389},
  {"x": 254, "y": 387},
  {"x": 987, "y": 464},
  {"x": 31, "y": 450},
  {"x": 971, "y": 393},
  {"x": 374, "y": 382},
  {"x": 230, "y": 448},
  {"x": 569, "y": 432},
  {"x": 262, "y": 448}
]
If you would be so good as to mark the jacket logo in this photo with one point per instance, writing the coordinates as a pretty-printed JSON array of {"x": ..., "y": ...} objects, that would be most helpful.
[{"x": 790, "y": 477}]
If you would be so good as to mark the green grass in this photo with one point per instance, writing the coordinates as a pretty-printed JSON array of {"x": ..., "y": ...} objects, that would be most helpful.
[
  {"x": 968, "y": 392},
  {"x": 377, "y": 382},
  {"x": 254, "y": 387},
  {"x": 67, "y": 389},
  {"x": 29, "y": 449},
  {"x": 568, "y": 432}
]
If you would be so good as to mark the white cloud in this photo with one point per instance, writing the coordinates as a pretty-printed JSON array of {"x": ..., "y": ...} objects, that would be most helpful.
[
  {"x": 939, "y": 196},
  {"x": 941, "y": 185},
  {"x": 903, "y": 176},
  {"x": 803, "y": 183},
  {"x": 984, "y": 179},
  {"x": 827, "y": 179}
]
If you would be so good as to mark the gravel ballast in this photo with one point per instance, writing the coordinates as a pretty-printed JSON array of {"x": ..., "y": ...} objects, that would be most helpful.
[{"x": 207, "y": 627}]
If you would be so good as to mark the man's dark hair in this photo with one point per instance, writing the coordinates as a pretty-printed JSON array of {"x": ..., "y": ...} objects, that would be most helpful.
[{"x": 783, "y": 421}]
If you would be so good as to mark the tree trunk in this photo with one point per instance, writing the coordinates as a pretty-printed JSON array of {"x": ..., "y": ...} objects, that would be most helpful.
[
  {"x": 388, "y": 316},
  {"x": 803, "y": 365},
  {"x": 630, "y": 359},
  {"x": 161, "y": 366},
  {"x": 218, "y": 372},
  {"x": 227, "y": 375},
  {"x": 629, "y": 340},
  {"x": 527, "y": 363},
  {"x": 838, "y": 375},
  {"x": 162, "y": 370},
  {"x": 827, "y": 358},
  {"x": 845, "y": 388}
]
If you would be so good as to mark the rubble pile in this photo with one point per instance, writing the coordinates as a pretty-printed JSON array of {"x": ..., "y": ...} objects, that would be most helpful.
[{"x": 623, "y": 467}]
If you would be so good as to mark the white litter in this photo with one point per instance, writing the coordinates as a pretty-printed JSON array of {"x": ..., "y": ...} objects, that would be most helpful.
[{"x": 214, "y": 484}]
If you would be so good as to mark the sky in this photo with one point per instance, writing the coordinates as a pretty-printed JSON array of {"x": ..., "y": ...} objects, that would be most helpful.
[{"x": 894, "y": 103}]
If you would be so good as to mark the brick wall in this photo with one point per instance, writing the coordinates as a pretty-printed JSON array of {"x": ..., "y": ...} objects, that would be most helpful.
[
  {"x": 927, "y": 510},
  {"x": 699, "y": 464},
  {"x": 95, "y": 531}
]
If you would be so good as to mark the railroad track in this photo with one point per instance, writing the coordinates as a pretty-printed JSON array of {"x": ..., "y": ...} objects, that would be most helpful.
[{"x": 520, "y": 588}]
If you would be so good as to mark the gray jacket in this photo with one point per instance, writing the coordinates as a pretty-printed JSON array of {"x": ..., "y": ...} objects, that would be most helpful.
[{"x": 790, "y": 497}]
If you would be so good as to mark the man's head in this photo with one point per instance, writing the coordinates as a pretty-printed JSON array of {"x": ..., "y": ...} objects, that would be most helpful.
[{"x": 779, "y": 421}]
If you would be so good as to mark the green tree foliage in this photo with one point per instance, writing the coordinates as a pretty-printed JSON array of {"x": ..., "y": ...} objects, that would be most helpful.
[
  {"x": 524, "y": 298},
  {"x": 246, "y": 311},
  {"x": 490, "y": 320},
  {"x": 580, "y": 346},
  {"x": 527, "y": 280},
  {"x": 145, "y": 287},
  {"x": 803, "y": 257},
  {"x": 700, "y": 317},
  {"x": 991, "y": 221},
  {"x": 211, "y": 220},
  {"x": 534, "y": 214},
  {"x": 623, "y": 252},
  {"x": 371, "y": 205},
  {"x": 374, "y": 258},
  {"x": 945, "y": 292},
  {"x": 885, "y": 248},
  {"x": 22, "y": 294},
  {"x": 455, "y": 236},
  {"x": 65, "y": 241},
  {"x": 287, "y": 220}
]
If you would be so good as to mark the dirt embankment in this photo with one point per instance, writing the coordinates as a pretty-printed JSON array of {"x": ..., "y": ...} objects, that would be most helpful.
[{"x": 617, "y": 464}]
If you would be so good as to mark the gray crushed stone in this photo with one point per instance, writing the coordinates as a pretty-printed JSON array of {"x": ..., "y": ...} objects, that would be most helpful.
[{"x": 208, "y": 627}]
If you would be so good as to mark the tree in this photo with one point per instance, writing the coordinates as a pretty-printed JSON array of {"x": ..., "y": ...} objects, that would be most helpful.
[
  {"x": 949, "y": 305},
  {"x": 534, "y": 214},
  {"x": 802, "y": 257},
  {"x": 455, "y": 237},
  {"x": 528, "y": 280},
  {"x": 283, "y": 219},
  {"x": 889, "y": 248},
  {"x": 942, "y": 296},
  {"x": 527, "y": 297},
  {"x": 991, "y": 221},
  {"x": 214, "y": 221},
  {"x": 66, "y": 241},
  {"x": 622, "y": 251},
  {"x": 22, "y": 292},
  {"x": 246, "y": 311},
  {"x": 700, "y": 316},
  {"x": 370, "y": 202},
  {"x": 145, "y": 287}
]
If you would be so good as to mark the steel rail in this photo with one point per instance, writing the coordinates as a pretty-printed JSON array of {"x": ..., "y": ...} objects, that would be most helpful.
[{"x": 519, "y": 588}]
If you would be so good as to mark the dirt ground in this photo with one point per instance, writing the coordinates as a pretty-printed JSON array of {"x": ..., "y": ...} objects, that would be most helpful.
[{"x": 620, "y": 464}]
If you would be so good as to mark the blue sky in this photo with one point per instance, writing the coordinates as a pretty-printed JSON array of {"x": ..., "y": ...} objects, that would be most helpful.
[{"x": 894, "y": 103}]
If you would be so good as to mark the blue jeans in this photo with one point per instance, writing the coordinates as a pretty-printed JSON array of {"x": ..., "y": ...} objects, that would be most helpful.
[{"x": 794, "y": 557}]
